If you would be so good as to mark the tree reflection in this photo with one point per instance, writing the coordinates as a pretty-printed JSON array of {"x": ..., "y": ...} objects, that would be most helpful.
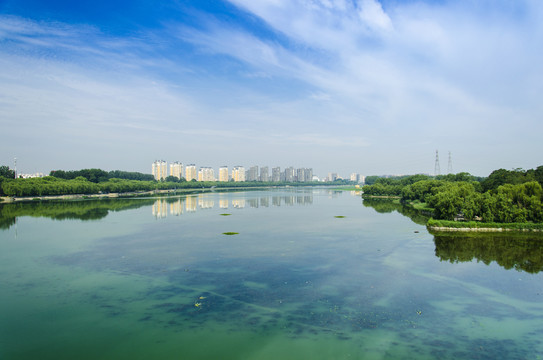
[
  {"x": 80, "y": 210},
  {"x": 384, "y": 206},
  {"x": 521, "y": 252}
]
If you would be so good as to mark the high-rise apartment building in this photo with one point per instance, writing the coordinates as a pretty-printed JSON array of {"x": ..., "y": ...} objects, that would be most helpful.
[
  {"x": 238, "y": 173},
  {"x": 355, "y": 177},
  {"x": 300, "y": 175},
  {"x": 206, "y": 174},
  {"x": 176, "y": 169},
  {"x": 290, "y": 174},
  {"x": 223, "y": 173},
  {"x": 264, "y": 174},
  {"x": 190, "y": 172},
  {"x": 304, "y": 175},
  {"x": 160, "y": 169},
  {"x": 309, "y": 175},
  {"x": 276, "y": 174},
  {"x": 252, "y": 174}
]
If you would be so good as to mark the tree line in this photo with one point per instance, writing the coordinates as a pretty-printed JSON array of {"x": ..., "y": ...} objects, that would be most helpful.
[
  {"x": 505, "y": 196},
  {"x": 99, "y": 175},
  {"x": 97, "y": 181}
]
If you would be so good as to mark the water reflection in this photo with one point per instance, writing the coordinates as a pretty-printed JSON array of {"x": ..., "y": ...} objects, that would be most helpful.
[
  {"x": 179, "y": 205},
  {"x": 523, "y": 252},
  {"x": 161, "y": 208},
  {"x": 79, "y": 210},
  {"x": 520, "y": 252},
  {"x": 385, "y": 206}
]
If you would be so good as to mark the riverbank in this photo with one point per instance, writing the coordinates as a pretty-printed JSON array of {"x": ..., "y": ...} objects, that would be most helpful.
[
  {"x": 468, "y": 229},
  {"x": 391, "y": 197},
  {"x": 474, "y": 226},
  {"x": 12, "y": 199}
]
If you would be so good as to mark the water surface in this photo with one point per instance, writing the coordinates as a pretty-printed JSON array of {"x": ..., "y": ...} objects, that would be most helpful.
[{"x": 311, "y": 273}]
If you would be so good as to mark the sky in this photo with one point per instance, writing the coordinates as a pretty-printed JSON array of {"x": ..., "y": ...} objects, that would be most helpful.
[{"x": 344, "y": 86}]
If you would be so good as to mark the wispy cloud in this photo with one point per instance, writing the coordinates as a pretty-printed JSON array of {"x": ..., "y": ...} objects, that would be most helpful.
[{"x": 295, "y": 74}]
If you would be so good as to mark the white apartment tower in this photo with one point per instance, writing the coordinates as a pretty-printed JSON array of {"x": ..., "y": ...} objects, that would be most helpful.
[
  {"x": 206, "y": 174},
  {"x": 176, "y": 169},
  {"x": 223, "y": 173},
  {"x": 238, "y": 173},
  {"x": 160, "y": 169},
  {"x": 190, "y": 172}
]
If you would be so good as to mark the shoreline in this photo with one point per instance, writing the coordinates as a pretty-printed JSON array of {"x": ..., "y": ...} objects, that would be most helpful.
[
  {"x": 14, "y": 199},
  {"x": 481, "y": 229}
]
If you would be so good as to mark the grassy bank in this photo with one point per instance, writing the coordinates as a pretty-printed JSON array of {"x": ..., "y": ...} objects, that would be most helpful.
[{"x": 449, "y": 226}]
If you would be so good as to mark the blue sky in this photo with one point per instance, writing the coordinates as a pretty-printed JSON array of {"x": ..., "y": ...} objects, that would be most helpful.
[{"x": 340, "y": 86}]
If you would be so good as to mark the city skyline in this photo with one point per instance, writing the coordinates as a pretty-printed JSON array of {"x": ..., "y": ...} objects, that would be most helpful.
[
  {"x": 347, "y": 86},
  {"x": 159, "y": 170}
]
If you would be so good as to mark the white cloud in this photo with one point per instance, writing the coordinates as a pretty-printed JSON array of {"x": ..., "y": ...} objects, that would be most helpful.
[
  {"x": 371, "y": 13},
  {"x": 324, "y": 70}
]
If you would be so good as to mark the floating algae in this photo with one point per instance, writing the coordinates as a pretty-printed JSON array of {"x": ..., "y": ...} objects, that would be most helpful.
[
  {"x": 339, "y": 216},
  {"x": 230, "y": 233},
  {"x": 225, "y": 214}
]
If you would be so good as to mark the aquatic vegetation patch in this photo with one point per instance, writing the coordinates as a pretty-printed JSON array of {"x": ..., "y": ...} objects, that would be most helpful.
[
  {"x": 230, "y": 233},
  {"x": 339, "y": 216},
  {"x": 225, "y": 214}
]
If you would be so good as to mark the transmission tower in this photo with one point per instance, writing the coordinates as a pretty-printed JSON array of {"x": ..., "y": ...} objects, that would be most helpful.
[
  {"x": 449, "y": 167},
  {"x": 437, "y": 170}
]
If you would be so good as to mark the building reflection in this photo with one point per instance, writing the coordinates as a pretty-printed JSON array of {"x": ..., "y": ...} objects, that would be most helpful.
[
  {"x": 193, "y": 203},
  {"x": 160, "y": 209},
  {"x": 238, "y": 203},
  {"x": 177, "y": 207},
  {"x": 223, "y": 203},
  {"x": 205, "y": 201}
]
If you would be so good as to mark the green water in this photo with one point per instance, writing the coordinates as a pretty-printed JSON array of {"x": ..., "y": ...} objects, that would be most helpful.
[{"x": 306, "y": 274}]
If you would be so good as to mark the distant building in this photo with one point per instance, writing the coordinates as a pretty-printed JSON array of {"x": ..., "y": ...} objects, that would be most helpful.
[
  {"x": 190, "y": 172},
  {"x": 290, "y": 174},
  {"x": 223, "y": 173},
  {"x": 264, "y": 174},
  {"x": 355, "y": 177},
  {"x": 252, "y": 174},
  {"x": 160, "y": 169},
  {"x": 238, "y": 173},
  {"x": 176, "y": 169},
  {"x": 300, "y": 175},
  {"x": 30, "y": 176},
  {"x": 332, "y": 177},
  {"x": 308, "y": 175},
  {"x": 276, "y": 174},
  {"x": 206, "y": 174}
]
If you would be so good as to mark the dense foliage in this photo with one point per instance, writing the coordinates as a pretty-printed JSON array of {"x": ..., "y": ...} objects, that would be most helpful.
[
  {"x": 515, "y": 177},
  {"x": 409, "y": 179},
  {"x": 98, "y": 175},
  {"x": 50, "y": 185},
  {"x": 6, "y": 172},
  {"x": 504, "y": 197}
]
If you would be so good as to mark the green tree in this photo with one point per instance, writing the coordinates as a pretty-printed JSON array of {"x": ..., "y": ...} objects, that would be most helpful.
[{"x": 6, "y": 172}]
